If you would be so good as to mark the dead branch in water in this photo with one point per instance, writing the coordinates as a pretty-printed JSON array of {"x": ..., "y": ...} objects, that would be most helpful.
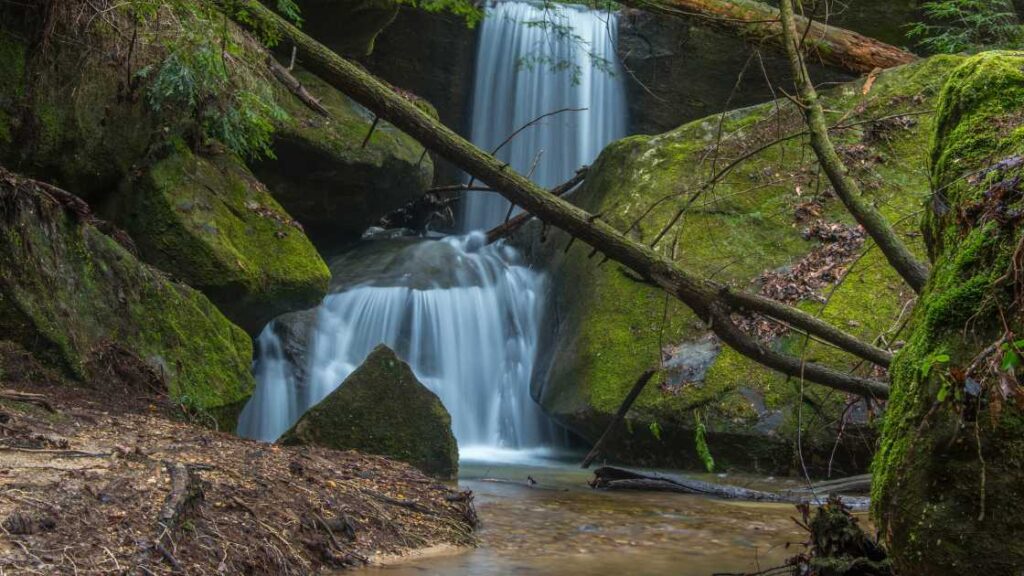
[
  {"x": 611, "y": 478},
  {"x": 638, "y": 387}
]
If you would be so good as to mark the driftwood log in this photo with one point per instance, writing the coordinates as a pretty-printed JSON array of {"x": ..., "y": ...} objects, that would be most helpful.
[{"x": 610, "y": 478}]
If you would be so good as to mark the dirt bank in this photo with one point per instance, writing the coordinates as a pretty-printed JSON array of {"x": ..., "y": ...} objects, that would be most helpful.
[{"x": 96, "y": 487}]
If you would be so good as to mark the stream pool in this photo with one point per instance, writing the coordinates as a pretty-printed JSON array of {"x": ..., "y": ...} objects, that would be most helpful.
[{"x": 562, "y": 527}]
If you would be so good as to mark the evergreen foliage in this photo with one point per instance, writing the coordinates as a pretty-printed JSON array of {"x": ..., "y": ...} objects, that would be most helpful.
[{"x": 954, "y": 26}]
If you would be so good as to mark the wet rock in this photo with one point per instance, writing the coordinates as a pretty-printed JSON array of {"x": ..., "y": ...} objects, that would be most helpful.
[
  {"x": 348, "y": 27},
  {"x": 432, "y": 55},
  {"x": 948, "y": 480},
  {"x": 382, "y": 408}
]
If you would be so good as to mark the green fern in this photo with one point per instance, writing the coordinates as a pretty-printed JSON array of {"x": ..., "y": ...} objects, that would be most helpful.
[
  {"x": 953, "y": 26},
  {"x": 207, "y": 77}
]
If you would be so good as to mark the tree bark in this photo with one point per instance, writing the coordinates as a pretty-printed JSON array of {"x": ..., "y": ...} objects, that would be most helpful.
[
  {"x": 699, "y": 294},
  {"x": 761, "y": 23},
  {"x": 896, "y": 252}
]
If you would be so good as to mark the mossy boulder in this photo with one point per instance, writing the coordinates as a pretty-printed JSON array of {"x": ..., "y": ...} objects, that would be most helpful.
[
  {"x": 326, "y": 177},
  {"x": 608, "y": 326},
  {"x": 948, "y": 490},
  {"x": 70, "y": 295},
  {"x": 208, "y": 221},
  {"x": 382, "y": 408}
]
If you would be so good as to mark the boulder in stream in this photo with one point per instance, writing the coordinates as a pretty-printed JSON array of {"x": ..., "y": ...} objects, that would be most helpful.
[{"x": 382, "y": 408}]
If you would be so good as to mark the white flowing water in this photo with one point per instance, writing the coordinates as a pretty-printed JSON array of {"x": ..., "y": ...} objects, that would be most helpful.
[
  {"x": 470, "y": 338},
  {"x": 470, "y": 330},
  {"x": 532, "y": 61}
]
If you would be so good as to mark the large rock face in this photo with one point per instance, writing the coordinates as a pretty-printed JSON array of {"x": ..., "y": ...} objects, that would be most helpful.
[
  {"x": 948, "y": 489},
  {"x": 679, "y": 71},
  {"x": 328, "y": 180},
  {"x": 608, "y": 327},
  {"x": 209, "y": 222},
  {"x": 382, "y": 408},
  {"x": 77, "y": 300}
]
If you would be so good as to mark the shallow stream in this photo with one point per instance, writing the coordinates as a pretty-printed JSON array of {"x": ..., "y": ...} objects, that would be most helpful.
[{"x": 562, "y": 527}]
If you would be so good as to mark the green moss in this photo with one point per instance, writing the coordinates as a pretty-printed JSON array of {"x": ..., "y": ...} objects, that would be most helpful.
[
  {"x": 208, "y": 221},
  {"x": 929, "y": 486},
  {"x": 68, "y": 292},
  {"x": 613, "y": 327},
  {"x": 382, "y": 409}
]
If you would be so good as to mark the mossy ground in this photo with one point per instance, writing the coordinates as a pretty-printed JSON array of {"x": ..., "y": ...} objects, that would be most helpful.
[
  {"x": 210, "y": 223},
  {"x": 613, "y": 328},
  {"x": 363, "y": 414},
  {"x": 949, "y": 484}
]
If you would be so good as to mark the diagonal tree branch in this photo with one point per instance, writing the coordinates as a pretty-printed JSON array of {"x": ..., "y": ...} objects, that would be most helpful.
[
  {"x": 896, "y": 252},
  {"x": 699, "y": 294}
]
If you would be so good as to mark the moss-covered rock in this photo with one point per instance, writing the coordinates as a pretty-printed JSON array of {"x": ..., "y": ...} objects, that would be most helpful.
[
  {"x": 610, "y": 327},
  {"x": 328, "y": 180},
  {"x": 69, "y": 294},
  {"x": 209, "y": 222},
  {"x": 382, "y": 408},
  {"x": 948, "y": 489}
]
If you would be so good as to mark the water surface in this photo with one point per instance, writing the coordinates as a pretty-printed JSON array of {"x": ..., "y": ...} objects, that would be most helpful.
[{"x": 563, "y": 527}]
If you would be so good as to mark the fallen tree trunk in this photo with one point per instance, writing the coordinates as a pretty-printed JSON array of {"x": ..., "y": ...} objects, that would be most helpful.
[
  {"x": 610, "y": 478},
  {"x": 701, "y": 295},
  {"x": 761, "y": 23}
]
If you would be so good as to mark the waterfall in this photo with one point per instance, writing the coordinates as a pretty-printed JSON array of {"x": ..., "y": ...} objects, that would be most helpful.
[
  {"x": 469, "y": 334},
  {"x": 535, "y": 59},
  {"x": 463, "y": 314}
]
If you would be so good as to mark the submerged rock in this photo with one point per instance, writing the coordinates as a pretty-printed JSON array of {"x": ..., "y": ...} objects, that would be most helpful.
[
  {"x": 607, "y": 327},
  {"x": 382, "y": 408},
  {"x": 80, "y": 302},
  {"x": 209, "y": 222}
]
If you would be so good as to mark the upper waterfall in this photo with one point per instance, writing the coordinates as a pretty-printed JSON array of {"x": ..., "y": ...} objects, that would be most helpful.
[{"x": 535, "y": 60}]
